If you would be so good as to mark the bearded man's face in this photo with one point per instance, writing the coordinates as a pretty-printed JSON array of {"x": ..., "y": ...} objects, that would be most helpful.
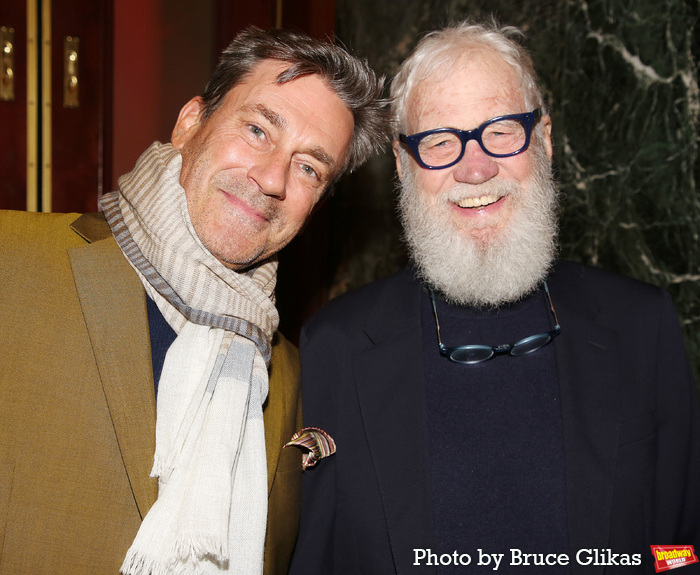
[{"x": 482, "y": 231}]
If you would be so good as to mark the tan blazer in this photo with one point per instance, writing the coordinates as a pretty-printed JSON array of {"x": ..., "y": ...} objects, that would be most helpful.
[{"x": 77, "y": 406}]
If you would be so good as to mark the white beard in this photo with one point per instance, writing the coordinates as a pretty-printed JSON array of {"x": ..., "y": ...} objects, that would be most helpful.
[{"x": 498, "y": 267}]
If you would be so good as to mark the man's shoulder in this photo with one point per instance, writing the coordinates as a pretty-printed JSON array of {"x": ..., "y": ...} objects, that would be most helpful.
[
  {"x": 18, "y": 227},
  {"x": 609, "y": 297},
  {"x": 384, "y": 306},
  {"x": 36, "y": 243},
  {"x": 14, "y": 222},
  {"x": 356, "y": 304},
  {"x": 577, "y": 277}
]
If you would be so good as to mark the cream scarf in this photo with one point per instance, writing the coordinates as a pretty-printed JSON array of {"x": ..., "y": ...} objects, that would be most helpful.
[{"x": 210, "y": 516}]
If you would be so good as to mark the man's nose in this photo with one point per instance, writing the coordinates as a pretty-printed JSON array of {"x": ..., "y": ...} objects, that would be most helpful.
[
  {"x": 269, "y": 172},
  {"x": 476, "y": 166}
]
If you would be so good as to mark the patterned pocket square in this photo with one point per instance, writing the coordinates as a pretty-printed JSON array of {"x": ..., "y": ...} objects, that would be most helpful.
[{"x": 318, "y": 443}]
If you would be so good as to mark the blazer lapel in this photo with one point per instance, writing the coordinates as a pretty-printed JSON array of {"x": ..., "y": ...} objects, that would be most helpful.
[
  {"x": 392, "y": 400},
  {"x": 589, "y": 380},
  {"x": 114, "y": 309}
]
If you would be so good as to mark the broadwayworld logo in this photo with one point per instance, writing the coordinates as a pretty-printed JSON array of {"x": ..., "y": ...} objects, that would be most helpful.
[{"x": 669, "y": 557}]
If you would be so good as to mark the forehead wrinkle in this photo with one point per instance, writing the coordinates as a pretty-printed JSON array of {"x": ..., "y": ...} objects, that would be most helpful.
[{"x": 437, "y": 95}]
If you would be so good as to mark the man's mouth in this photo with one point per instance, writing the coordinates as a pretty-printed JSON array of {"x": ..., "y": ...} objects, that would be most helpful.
[
  {"x": 479, "y": 202},
  {"x": 247, "y": 205}
]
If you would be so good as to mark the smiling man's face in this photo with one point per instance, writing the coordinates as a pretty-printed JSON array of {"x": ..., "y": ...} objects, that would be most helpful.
[
  {"x": 479, "y": 86},
  {"x": 254, "y": 170},
  {"x": 482, "y": 232}
]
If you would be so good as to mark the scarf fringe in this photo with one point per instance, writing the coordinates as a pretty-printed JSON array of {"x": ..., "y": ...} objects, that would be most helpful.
[
  {"x": 211, "y": 548},
  {"x": 136, "y": 564},
  {"x": 188, "y": 554}
]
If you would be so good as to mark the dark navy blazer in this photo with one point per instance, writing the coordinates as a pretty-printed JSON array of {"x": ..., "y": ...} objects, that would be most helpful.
[{"x": 631, "y": 422}]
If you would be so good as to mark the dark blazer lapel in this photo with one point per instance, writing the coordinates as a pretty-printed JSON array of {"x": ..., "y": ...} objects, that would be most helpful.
[
  {"x": 391, "y": 394},
  {"x": 114, "y": 309},
  {"x": 589, "y": 381}
]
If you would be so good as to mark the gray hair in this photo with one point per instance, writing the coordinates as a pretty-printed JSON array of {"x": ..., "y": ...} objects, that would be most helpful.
[
  {"x": 439, "y": 49},
  {"x": 354, "y": 82}
]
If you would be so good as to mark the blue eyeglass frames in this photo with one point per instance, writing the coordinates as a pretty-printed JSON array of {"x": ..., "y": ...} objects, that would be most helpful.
[
  {"x": 474, "y": 353},
  {"x": 498, "y": 137}
]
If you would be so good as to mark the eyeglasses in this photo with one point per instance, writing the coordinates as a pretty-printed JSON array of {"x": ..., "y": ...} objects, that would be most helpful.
[
  {"x": 499, "y": 137},
  {"x": 471, "y": 353}
]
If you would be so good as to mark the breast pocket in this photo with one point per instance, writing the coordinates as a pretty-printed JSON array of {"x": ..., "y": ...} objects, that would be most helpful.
[
  {"x": 636, "y": 432},
  {"x": 636, "y": 457}
]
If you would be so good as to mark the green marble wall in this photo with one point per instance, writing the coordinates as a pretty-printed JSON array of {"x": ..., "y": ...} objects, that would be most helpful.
[{"x": 620, "y": 77}]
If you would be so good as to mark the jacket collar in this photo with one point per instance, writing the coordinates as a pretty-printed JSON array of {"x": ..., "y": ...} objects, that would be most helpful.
[
  {"x": 589, "y": 375},
  {"x": 392, "y": 401},
  {"x": 121, "y": 346}
]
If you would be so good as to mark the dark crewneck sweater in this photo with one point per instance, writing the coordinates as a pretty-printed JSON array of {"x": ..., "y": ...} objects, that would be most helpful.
[
  {"x": 162, "y": 335},
  {"x": 495, "y": 437}
]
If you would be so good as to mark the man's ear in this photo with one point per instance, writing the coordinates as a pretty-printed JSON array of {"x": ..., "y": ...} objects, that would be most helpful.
[
  {"x": 395, "y": 148},
  {"x": 547, "y": 125},
  {"x": 187, "y": 122}
]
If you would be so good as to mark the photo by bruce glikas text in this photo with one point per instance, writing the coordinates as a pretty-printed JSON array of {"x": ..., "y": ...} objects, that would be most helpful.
[{"x": 517, "y": 557}]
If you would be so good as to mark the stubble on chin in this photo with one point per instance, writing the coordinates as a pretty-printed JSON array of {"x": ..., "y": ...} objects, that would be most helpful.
[{"x": 234, "y": 238}]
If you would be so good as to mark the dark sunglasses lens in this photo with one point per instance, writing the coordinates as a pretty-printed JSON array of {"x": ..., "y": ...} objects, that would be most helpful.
[
  {"x": 530, "y": 344},
  {"x": 471, "y": 354}
]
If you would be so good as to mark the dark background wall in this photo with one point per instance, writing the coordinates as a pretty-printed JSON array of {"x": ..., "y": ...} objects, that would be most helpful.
[{"x": 620, "y": 78}]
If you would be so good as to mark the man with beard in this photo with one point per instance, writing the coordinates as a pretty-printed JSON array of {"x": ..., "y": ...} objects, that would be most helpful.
[
  {"x": 489, "y": 402},
  {"x": 152, "y": 329}
]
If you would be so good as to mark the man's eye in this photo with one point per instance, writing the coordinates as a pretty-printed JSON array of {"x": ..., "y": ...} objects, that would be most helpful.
[
  {"x": 309, "y": 171},
  {"x": 440, "y": 143},
  {"x": 256, "y": 131}
]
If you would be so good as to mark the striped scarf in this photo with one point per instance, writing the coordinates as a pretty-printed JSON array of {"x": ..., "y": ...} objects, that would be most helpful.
[{"x": 210, "y": 461}]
